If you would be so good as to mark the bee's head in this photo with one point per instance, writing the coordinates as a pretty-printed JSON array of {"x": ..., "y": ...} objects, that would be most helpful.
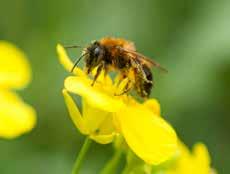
[{"x": 96, "y": 53}]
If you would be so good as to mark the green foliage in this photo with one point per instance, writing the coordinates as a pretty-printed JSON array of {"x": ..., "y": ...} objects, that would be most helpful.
[
  {"x": 189, "y": 37},
  {"x": 135, "y": 165}
]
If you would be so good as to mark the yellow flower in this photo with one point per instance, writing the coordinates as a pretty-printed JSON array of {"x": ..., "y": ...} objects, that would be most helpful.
[
  {"x": 94, "y": 122},
  {"x": 16, "y": 117},
  {"x": 105, "y": 115},
  {"x": 198, "y": 161}
]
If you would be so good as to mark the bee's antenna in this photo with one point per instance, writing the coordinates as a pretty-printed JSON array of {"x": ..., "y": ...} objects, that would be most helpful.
[
  {"x": 73, "y": 46},
  {"x": 77, "y": 61}
]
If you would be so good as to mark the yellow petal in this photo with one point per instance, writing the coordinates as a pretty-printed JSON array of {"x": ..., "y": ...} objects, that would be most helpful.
[
  {"x": 95, "y": 118},
  {"x": 16, "y": 117},
  {"x": 103, "y": 139},
  {"x": 153, "y": 105},
  {"x": 74, "y": 113},
  {"x": 201, "y": 153},
  {"x": 100, "y": 96},
  {"x": 105, "y": 133},
  {"x": 15, "y": 71},
  {"x": 213, "y": 171},
  {"x": 183, "y": 150},
  {"x": 197, "y": 161},
  {"x": 66, "y": 61},
  {"x": 202, "y": 158},
  {"x": 107, "y": 126},
  {"x": 149, "y": 136}
]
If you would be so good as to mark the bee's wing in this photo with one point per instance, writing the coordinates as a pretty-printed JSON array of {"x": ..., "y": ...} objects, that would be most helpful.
[{"x": 149, "y": 62}]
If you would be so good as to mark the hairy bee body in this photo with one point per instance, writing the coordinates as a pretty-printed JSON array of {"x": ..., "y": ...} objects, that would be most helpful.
[
  {"x": 115, "y": 54},
  {"x": 105, "y": 51}
]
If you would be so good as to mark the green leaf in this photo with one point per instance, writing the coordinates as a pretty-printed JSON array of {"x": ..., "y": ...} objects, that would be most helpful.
[{"x": 135, "y": 165}]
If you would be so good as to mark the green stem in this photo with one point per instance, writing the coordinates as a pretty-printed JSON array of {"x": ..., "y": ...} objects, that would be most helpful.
[
  {"x": 111, "y": 165},
  {"x": 81, "y": 156}
]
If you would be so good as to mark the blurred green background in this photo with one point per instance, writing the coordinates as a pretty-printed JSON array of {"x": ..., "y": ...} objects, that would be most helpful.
[{"x": 189, "y": 37}]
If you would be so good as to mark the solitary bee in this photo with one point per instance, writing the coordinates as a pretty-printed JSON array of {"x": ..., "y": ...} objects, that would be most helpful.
[{"x": 116, "y": 54}]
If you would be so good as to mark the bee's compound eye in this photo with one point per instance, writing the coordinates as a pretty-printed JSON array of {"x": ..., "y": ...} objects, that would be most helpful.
[{"x": 97, "y": 52}]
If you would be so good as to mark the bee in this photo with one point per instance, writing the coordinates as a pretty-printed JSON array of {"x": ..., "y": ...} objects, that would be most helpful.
[{"x": 120, "y": 55}]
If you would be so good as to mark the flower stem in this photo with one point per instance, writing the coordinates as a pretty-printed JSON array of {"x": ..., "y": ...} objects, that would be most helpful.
[
  {"x": 111, "y": 165},
  {"x": 81, "y": 155}
]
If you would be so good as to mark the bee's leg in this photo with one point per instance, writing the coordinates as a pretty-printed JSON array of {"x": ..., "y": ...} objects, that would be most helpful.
[
  {"x": 99, "y": 69},
  {"x": 126, "y": 89},
  {"x": 140, "y": 70},
  {"x": 124, "y": 92},
  {"x": 106, "y": 71}
]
